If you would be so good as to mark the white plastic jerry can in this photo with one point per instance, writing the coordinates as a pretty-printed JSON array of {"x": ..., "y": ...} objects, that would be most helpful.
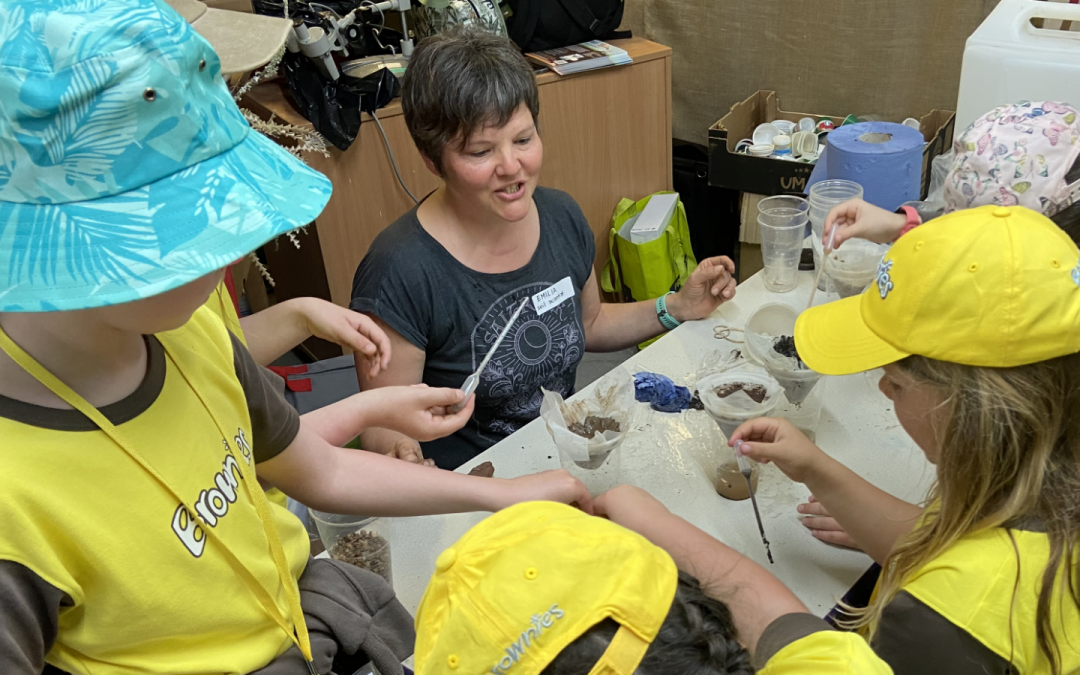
[{"x": 1025, "y": 50}]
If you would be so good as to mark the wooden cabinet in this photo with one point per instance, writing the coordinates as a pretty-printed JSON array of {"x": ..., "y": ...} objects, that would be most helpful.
[{"x": 606, "y": 133}]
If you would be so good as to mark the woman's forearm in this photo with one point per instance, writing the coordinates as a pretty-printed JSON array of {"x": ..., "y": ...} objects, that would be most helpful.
[
  {"x": 872, "y": 517},
  {"x": 621, "y": 325}
]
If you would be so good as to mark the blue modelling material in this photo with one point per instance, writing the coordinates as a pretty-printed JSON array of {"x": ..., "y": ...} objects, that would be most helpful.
[
  {"x": 661, "y": 393},
  {"x": 890, "y": 172}
]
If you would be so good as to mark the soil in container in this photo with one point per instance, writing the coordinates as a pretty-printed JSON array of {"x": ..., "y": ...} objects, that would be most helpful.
[
  {"x": 785, "y": 346},
  {"x": 756, "y": 392},
  {"x": 730, "y": 482},
  {"x": 366, "y": 550},
  {"x": 592, "y": 425}
]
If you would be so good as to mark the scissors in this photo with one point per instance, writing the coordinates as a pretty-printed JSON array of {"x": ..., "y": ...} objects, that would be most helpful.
[
  {"x": 722, "y": 332},
  {"x": 473, "y": 380}
]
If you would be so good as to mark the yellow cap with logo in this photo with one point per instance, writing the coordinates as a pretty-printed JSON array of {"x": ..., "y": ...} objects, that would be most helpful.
[
  {"x": 523, "y": 584},
  {"x": 994, "y": 286}
]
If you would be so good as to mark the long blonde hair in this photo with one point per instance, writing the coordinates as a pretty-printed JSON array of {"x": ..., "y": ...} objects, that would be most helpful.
[{"x": 1009, "y": 451}]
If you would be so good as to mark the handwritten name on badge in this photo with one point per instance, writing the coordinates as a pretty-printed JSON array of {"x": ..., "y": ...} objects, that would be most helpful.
[{"x": 553, "y": 296}]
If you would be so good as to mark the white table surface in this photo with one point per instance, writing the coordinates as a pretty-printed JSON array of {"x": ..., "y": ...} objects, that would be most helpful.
[{"x": 666, "y": 455}]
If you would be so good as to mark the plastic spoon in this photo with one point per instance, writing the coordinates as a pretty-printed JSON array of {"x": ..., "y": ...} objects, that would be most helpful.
[
  {"x": 824, "y": 257},
  {"x": 746, "y": 469},
  {"x": 473, "y": 380}
]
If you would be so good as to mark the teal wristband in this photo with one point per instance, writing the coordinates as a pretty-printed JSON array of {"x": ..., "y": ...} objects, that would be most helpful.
[{"x": 662, "y": 314}]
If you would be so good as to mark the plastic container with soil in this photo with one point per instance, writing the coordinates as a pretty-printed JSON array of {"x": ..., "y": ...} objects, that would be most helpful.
[
  {"x": 735, "y": 396},
  {"x": 357, "y": 540},
  {"x": 730, "y": 482},
  {"x": 852, "y": 267},
  {"x": 589, "y": 431},
  {"x": 767, "y": 323},
  {"x": 783, "y": 363},
  {"x": 769, "y": 342}
]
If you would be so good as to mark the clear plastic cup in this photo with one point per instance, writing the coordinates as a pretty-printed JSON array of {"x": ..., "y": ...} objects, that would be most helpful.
[
  {"x": 600, "y": 473},
  {"x": 730, "y": 410},
  {"x": 782, "y": 221},
  {"x": 730, "y": 482},
  {"x": 358, "y": 540},
  {"x": 827, "y": 194},
  {"x": 852, "y": 267},
  {"x": 806, "y": 415}
]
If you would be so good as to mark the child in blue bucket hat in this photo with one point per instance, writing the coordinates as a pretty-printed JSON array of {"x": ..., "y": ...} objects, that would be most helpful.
[{"x": 135, "y": 536}]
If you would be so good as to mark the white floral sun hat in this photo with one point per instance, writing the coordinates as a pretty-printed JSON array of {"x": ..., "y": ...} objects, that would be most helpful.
[
  {"x": 1020, "y": 154},
  {"x": 126, "y": 169}
]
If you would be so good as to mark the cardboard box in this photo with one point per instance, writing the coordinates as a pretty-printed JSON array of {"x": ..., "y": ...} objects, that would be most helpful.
[{"x": 767, "y": 176}]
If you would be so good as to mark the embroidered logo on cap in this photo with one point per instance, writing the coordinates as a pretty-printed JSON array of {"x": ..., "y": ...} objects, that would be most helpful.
[
  {"x": 530, "y": 635},
  {"x": 884, "y": 281},
  {"x": 1076, "y": 274}
]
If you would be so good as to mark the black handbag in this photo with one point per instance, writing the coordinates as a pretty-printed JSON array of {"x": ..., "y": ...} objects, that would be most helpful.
[{"x": 535, "y": 25}]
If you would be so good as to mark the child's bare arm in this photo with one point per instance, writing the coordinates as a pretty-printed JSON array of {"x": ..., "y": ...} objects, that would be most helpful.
[
  {"x": 418, "y": 412},
  {"x": 756, "y": 598},
  {"x": 338, "y": 480},
  {"x": 874, "y": 518},
  {"x": 281, "y": 327}
]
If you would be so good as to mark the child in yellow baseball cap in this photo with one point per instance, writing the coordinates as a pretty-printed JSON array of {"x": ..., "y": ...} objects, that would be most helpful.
[
  {"x": 543, "y": 589},
  {"x": 974, "y": 317}
]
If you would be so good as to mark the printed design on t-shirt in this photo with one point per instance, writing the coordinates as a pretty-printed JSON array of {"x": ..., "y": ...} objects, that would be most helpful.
[
  {"x": 212, "y": 504},
  {"x": 541, "y": 350}
]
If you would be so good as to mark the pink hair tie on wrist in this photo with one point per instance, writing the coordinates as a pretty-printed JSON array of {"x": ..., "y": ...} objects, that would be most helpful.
[{"x": 913, "y": 220}]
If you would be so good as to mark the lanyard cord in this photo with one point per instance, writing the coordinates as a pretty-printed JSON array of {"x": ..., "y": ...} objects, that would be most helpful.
[{"x": 255, "y": 494}]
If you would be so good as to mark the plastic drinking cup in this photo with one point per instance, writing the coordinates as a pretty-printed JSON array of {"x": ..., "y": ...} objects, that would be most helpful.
[
  {"x": 782, "y": 221},
  {"x": 359, "y": 540},
  {"x": 827, "y": 194}
]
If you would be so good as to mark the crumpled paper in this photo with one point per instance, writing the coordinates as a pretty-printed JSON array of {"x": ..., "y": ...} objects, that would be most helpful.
[
  {"x": 661, "y": 393},
  {"x": 612, "y": 397}
]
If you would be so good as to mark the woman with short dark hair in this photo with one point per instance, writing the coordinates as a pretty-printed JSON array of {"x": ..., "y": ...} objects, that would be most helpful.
[{"x": 444, "y": 279}]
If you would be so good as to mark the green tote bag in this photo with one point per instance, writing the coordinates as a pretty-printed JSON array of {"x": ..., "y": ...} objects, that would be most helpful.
[{"x": 651, "y": 269}]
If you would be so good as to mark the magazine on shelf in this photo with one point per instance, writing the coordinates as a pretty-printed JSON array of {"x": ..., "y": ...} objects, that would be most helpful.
[{"x": 579, "y": 58}]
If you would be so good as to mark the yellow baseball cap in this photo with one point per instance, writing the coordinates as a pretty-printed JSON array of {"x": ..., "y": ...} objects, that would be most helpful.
[
  {"x": 523, "y": 584},
  {"x": 994, "y": 286}
]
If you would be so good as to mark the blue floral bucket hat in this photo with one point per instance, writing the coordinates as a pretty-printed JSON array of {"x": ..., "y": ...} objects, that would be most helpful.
[{"x": 126, "y": 168}]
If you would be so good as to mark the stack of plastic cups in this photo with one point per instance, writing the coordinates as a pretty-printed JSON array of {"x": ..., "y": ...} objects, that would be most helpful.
[
  {"x": 782, "y": 221},
  {"x": 824, "y": 196}
]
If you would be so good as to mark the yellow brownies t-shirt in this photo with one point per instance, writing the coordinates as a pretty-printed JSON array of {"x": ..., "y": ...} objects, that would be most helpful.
[{"x": 149, "y": 592}]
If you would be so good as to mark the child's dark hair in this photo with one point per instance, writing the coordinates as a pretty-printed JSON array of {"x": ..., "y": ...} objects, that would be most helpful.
[
  {"x": 698, "y": 638},
  {"x": 1068, "y": 218}
]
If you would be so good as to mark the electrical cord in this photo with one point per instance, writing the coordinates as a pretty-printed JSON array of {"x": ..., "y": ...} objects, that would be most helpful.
[{"x": 393, "y": 162}]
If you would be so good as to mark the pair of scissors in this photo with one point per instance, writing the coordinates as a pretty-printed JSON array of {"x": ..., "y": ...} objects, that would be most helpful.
[
  {"x": 722, "y": 332},
  {"x": 473, "y": 380}
]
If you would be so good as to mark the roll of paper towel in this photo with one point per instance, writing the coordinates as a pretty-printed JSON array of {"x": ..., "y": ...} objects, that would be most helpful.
[{"x": 883, "y": 157}]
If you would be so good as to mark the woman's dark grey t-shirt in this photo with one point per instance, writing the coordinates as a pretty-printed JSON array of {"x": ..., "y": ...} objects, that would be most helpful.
[{"x": 454, "y": 315}]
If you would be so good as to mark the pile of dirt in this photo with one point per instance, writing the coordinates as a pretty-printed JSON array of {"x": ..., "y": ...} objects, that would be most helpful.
[
  {"x": 592, "y": 425},
  {"x": 756, "y": 392},
  {"x": 485, "y": 470}
]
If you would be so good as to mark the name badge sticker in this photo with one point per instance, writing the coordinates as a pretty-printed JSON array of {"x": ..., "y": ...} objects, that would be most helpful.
[{"x": 553, "y": 296}]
